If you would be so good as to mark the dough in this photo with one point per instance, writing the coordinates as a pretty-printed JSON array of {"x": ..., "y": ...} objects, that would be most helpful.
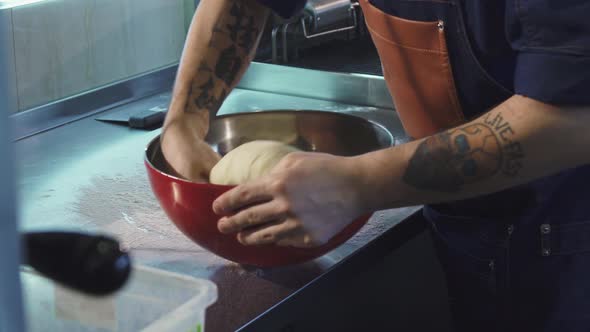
[{"x": 249, "y": 161}]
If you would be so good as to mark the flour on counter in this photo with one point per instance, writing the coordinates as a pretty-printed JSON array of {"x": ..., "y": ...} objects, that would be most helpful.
[{"x": 126, "y": 208}]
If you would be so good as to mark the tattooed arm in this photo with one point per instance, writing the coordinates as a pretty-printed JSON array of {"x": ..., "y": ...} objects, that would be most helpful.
[
  {"x": 220, "y": 45},
  {"x": 311, "y": 197},
  {"x": 517, "y": 142}
]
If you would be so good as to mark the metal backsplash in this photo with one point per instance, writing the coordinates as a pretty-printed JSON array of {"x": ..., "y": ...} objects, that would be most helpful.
[{"x": 354, "y": 89}]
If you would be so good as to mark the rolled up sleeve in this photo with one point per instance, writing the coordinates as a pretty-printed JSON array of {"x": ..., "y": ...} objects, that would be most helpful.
[
  {"x": 284, "y": 8},
  {"x": 552, "y": 39}
]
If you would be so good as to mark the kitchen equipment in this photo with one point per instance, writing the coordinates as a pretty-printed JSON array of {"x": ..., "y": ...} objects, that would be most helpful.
[
  {"x": 89, "y": 263},
  {"x": 144, "y": 119},
  {"x": 323, "y": 17},
  {"x": 188, "y": 204},
  {"x": 152, "y": 301},
  {"x": 320, "y": 18}
]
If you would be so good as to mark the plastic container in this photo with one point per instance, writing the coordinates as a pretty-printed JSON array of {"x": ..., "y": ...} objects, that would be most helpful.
[{"x": 152, "y": 300}]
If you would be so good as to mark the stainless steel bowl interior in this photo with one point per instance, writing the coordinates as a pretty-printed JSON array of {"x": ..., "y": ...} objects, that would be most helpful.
[{"x": 329, "y": 132}]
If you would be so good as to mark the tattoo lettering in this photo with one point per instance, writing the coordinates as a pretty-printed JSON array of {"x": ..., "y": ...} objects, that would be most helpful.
[
  {"x": 514, "y": 155},
  {"x": 449, "y": 160},
  {"x": 512, "y": 150}
]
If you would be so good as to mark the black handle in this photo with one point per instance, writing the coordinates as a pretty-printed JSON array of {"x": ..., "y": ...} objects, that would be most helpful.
[
  {"x": 88, "y": 263},
  {"x": 147, "y": 120}
]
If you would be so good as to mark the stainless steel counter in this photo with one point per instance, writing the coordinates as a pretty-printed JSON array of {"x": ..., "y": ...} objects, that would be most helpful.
[{"x": 88, "y": 175}]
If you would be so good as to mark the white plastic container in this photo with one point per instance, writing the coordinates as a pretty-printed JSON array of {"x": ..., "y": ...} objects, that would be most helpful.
[{"x": 153, "y": 300}]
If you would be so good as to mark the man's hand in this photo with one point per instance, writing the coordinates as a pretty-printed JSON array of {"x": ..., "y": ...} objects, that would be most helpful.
[
  {"x": 306, "y": 200},
  {"x": 186, "y": 153}
]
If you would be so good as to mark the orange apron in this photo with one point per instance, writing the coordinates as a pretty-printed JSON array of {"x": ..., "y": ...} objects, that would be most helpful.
[{"x": 417, "y": 70}]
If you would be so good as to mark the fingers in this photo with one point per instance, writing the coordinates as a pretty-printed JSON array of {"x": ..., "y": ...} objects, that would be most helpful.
[
  {"x": 285, "y": 233},
  {"x": 254, "y": 216},
  {"x": 241, "y": 197},
  {"x": 298, "y": 239},
  {"x": 186, "y": 155},
  {"x": 268, "y": 234}
]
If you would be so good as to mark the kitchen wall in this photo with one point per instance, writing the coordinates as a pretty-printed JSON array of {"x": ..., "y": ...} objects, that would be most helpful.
[
  {"x": 8, "y": 66},
  {"x": 65, "y": 47},
  {"x": 10, "y": 302}
]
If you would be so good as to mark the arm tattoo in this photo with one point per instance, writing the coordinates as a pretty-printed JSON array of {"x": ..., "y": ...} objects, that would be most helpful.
[
  {"x": 206, "y": 99},
  {"x": 243, "y": 30},
  {"x": 449, "y": 160},
  {"x": 248, "y": 38},
  {"x": 228, "y": 65},
  {"x": 233, "y": 43}
]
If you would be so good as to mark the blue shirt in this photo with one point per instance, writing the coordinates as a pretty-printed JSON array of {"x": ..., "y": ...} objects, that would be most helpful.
[{"x": 536, "y": 48}]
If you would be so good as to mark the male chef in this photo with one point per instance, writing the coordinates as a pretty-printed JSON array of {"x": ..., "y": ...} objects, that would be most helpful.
[{"x": 496, "y": 96}]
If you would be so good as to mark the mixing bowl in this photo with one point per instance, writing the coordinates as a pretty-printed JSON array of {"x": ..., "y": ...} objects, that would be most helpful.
[{"x": 188, "y": 204}]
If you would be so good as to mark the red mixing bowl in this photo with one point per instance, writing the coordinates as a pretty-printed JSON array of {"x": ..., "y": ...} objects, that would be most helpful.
[{"x": 189, "y": 205}]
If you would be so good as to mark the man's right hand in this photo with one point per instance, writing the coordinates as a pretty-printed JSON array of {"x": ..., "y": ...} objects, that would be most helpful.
[{"x": 186, "y": 153}]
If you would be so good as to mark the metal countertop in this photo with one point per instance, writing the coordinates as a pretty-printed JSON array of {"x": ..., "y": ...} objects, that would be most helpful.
[{"x": 89, "y": 175}]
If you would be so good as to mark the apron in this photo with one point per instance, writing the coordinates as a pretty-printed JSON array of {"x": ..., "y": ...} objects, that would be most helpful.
[{"x": 518, "y": 260}]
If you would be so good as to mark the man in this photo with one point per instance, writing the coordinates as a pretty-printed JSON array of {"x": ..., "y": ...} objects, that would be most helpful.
[{"x": 497, "y": 99}]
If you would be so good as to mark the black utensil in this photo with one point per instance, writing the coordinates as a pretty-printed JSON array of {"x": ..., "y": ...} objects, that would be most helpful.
[
  {"x": 88, "y": 263},
  {"x": 144, "y": 119}
]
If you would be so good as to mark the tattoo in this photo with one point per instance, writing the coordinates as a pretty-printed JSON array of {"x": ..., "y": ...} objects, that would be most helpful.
[
  {"x": 240, "y": 34},
  {"x": 205, "y": 68},
  {"x": 248, "y": 38},
  {"x": 206, "y": 98},
  {"x": 229, "y": 65},
  {"x": 218, "y": 28},
  {"x": 449, "y": 160},
  {"x": 216, "y": 43},
  {"x": 512, "y": 150},
  {"x": 234, "y": 28},
  {"x": 243, "y": 30}
]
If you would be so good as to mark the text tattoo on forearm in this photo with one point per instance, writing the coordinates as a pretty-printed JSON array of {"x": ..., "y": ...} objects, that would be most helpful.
[{"x": 447, "y": 161}]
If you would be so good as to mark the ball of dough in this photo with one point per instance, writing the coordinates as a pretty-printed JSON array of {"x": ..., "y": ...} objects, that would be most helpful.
[{"x": 249, "y": 161}]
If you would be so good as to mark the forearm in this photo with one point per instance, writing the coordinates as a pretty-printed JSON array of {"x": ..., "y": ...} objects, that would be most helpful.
[
  {"x": 518, "y": 141},
  {"x": 220, "y": 45}
]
